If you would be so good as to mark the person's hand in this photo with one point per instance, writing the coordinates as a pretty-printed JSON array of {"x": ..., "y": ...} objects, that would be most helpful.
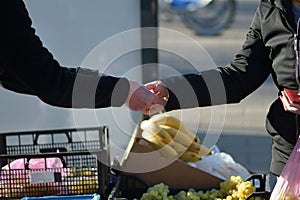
[
  {"x": 161, "y": 91},
  {"x": 288, "y": 106},
  {"x": 140, "y": 98}
]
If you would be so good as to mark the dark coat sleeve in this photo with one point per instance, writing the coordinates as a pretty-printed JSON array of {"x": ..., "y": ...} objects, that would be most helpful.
[
  {"x": 28, "y": 67},
  {"x": 250, "y": 67}
]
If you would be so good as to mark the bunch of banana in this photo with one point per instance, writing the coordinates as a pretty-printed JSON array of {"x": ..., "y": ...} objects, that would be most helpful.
[{"x": 172, "y": 138}]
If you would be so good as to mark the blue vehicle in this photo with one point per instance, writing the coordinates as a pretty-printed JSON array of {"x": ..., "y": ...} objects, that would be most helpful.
[{"x": 205, "y": 17}]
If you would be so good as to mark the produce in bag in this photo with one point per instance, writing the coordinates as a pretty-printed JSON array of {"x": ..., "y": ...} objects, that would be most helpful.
[
  {"x": 15, "y": 179},
  {"x": 288, "y": 184},
  {"x": 222, "y": 165}
]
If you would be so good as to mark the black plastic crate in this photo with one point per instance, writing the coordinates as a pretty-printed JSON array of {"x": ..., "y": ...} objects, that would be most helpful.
[
  {"x": 83, "y": 154},
  {"x": 132, "y": 187},
  {"x": 64, "y": 140}
]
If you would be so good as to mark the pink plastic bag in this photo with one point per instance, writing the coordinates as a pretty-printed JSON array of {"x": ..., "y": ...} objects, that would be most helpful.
[
  {"x": 35, "y": 163},
  {"x": 288, "y": 184},
  {"x": 15, "y": 179},
  {"x": 16, "y": 169}
]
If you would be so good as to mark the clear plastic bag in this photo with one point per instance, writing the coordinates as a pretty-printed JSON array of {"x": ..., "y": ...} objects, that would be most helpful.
[
  {"x": 288, "y": 184},
  {"x": 222, "y": 165}
]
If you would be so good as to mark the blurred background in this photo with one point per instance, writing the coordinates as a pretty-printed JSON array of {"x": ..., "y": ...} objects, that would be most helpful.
[{"x": 77, "y": 31}]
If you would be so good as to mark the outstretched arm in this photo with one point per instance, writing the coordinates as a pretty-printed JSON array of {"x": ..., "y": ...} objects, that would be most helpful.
[{"x": 28, "y": 67}]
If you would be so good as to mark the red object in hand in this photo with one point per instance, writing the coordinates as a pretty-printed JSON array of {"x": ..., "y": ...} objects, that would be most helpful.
[{"x": 292, "y": 95}]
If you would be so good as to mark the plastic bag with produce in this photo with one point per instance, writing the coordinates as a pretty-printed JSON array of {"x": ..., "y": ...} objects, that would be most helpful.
[
  {"x": 222, "y": 165},
  {"x": 16, "y": 179},
  {"x": 288, "y": 184}
]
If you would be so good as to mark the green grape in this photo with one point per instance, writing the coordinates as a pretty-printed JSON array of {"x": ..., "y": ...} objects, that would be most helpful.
[
  {"x": 245, "y": 189},
  {"x": 234, "y": 188},
  {"x": 189, "y": 194},
  {"x": 234, "y": 195},
  {"x": 192, "y": 194},
  {"x": 157, "y": 192},
  {"x": 200, "y": 193},
  {"x": 205, "y": 196},
  {"x": 229, "y": 198},
  {"x": 145, "y": 197},
  {"x": 182, "y": 195},
  {"x": 153, "y": 193}
]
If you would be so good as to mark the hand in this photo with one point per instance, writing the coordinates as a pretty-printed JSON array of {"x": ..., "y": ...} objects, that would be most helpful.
[
  {"x": 140, "y": 98},
  {"x": 161, "y": 91},
  {"x": 288, "y": 106}
]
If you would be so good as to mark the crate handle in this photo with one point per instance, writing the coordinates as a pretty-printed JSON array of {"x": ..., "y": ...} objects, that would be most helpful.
[
  {"x": 36, "y": 138},
  {"x": 264, "y": 195},
  {"x": 262, "y": 181}
]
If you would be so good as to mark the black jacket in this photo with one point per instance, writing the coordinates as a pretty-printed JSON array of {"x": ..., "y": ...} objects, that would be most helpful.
[
  {"x": 267, "y": 50},
  {"x": 28, "y": 67}
]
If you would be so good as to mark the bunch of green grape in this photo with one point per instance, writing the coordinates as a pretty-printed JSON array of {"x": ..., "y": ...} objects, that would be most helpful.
[
  {"x": 236, "y": 188},
  {"x": 157, "y": 192},
  {"x": 233, "y": 189}
]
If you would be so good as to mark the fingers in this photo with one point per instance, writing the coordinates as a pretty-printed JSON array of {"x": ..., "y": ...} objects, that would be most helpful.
[
  {"x": 152, "y": 86},
  {"x": 288, "y": 106},
  {"x": 140, "y": 98},
  {"x": 150, "y": 98},
  {"x": 158, "y": 88},
  {"x": 161, "y": 91}
]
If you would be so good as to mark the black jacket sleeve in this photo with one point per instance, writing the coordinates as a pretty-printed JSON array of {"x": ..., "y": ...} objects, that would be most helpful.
[
  {"x": 28, "y": 67},
  {"x": 250, "y": 67}
]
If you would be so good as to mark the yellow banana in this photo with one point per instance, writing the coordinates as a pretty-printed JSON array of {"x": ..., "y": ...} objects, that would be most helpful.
[
  {"x": 168, "y": 151},
  {"x": 178, "y": 147},
  {"x": 177, "y": 135},
  {"x": 199, "y": 149},
  {"x": 165, "y": 150},
  {"x": 165, "y": 119},
  {"x": 190, "y": 156},
  {"x": 156, "y": 142},
  {"x": 149, "y": 137},
  {"x": 154, "y": 129}
]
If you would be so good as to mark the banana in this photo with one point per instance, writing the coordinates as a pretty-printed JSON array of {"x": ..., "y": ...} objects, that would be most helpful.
[
  {"x": 165, "y": 119},
  {"x": 168, "y": 151},
  {"x": 178, "y": 147},
  {"x": 189, "y": 156},
  {"x": 171, "y": 138},
  {"x": 158, "y": 144},
  {"x": 177, "y": 135},
  {"x": 149, "y": 136},
  {"x": 154, "y": 129},
  {"x": 199, "y": 149}
]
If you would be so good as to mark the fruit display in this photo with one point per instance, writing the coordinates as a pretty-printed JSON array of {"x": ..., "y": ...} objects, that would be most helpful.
[
  {"x": 81, "y": 181},
  {"x": 18, "y": 182},
  {"x": 172, "y": 138},
  {"x": 234, "y": 188},
  {"x": 22, "y": 188}
]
